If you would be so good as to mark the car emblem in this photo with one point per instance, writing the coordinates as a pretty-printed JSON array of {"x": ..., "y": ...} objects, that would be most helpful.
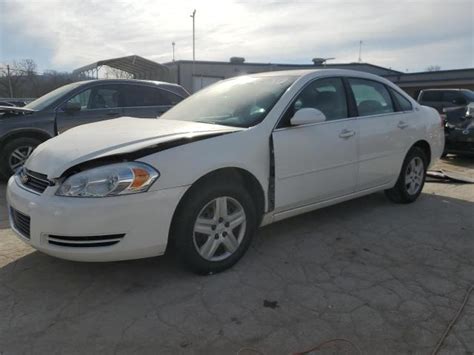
[{"x": 466, "y": 131}]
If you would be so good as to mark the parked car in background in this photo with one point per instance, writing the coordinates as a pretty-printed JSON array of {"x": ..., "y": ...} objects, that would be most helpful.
[
  {"x": 241, "y": 153},
  {"x": 457, "y": 109},
  {"x": 22, "y": 129},
  {"x": 442, "y": 99}
]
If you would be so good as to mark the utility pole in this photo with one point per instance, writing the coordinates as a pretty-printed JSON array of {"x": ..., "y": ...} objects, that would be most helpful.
[
  {"x": 173, "y": 49},
  {"x": 360, "y": 51},
  {"x": 9, "y": 81},
  {"x": 194, "y": 37}
]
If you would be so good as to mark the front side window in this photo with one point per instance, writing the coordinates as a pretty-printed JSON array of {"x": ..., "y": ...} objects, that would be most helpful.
[
  {"x": 101, "y": 97},
  {"x": 239, "y": 102},
  {"x": 326, "y": 95},
  {"x": 403, "y": 102},
  {"x": 82, "y": 99},
  {"x": 372, "y": 98}
]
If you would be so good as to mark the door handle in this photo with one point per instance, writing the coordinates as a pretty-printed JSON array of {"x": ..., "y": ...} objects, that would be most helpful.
[
  {"x": 346, "y": 133},
  {"x": 402, "y": 125}
]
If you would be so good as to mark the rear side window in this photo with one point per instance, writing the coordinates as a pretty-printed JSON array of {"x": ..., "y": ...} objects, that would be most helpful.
[
  {"x": 372, "y": 98},
  {"x": 454, "y": 97},
  {"x": 169, "y": 98},
  {"x": 143, "y": 96},
  {"x": 433, "y": 96},
  {"x": 403, "y": 102}
]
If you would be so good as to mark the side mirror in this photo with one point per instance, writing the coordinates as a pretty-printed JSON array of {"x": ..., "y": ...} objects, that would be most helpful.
[
  {"x": 306, "y": 116},
  {"x": 71, "y": 107}
]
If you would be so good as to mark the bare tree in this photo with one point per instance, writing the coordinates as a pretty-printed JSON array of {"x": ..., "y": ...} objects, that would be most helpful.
[
  {"x": 13, "y": 75},
  {"x": 433, "y": 68}
]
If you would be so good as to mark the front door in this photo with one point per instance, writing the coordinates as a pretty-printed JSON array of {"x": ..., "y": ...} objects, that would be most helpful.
[
  {"x": 101, "y": 102},
  {"x": 316, "y": 162}
]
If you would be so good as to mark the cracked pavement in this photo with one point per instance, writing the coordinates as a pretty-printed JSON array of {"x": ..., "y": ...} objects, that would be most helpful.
[{"x": 387, "y": 277}]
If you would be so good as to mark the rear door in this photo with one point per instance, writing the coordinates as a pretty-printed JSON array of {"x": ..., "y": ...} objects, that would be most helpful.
[
  {"x": 98, "y": 103},
  {"x": 147, "y": 101},
  {"x": 382, "y": 129}
]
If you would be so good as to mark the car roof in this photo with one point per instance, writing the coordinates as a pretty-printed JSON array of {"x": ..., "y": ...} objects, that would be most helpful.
[
  {"x": 128, "y": 81},
  {"x": 321, "y": 72}
]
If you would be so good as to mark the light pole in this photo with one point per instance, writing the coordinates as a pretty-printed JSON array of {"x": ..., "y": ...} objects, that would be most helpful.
[
  {"x": 360, "y": 51},
  {"x": 173, "y": 49},
  {"x": 194, "y": 37}
]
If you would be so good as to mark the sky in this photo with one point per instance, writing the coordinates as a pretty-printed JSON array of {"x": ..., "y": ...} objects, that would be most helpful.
[{"x": 404, "y": 35}]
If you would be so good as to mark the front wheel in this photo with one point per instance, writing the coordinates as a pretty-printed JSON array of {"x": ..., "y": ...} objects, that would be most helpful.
[
  {"x": 214, "y": 226},
  {"x": 15, "y": 153},
  {"x": 411, "y": 179}
]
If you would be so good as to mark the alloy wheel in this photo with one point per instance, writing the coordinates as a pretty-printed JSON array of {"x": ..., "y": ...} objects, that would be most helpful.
[
  {"x": 414, "y": 175},
  {"x": 18, "y": 157},
  {"x": 219, "y": 228}
]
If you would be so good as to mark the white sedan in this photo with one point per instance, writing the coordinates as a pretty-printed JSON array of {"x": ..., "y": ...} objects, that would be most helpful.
[{"x": 242, "y": 153}]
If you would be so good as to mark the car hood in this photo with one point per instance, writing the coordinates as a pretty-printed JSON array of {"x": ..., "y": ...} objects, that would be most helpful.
[
  {"x": 111, "y": 138},
  {"x": 14, "y": 110}
]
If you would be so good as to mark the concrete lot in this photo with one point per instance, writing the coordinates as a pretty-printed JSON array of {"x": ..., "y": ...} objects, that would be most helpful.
[{"x": 387, "y": 277}]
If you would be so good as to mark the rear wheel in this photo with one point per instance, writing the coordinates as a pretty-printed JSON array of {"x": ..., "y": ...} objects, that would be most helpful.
[
  {"x": 15, "y": 153},
  {"x": 214, "y": 226},
  {"x": 411, "y": 179}
]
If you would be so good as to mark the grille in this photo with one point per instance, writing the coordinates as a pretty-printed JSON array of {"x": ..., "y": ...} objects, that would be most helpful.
[
  {"x": 85, "y": 241},
  {"x": 21, "y": 222},
  {"x": 34, "y": 181}
]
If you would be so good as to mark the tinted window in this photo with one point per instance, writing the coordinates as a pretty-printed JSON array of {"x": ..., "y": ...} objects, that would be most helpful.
[
  {"x": 432, "y": 96},
  {"x": 135, "y": 95},
  {"x": 326, "y": 95},
  {"x": 169, "y": 98},
  {"x": 98, "y": 97},
  {"x": 454, "y": 97},
  {"x": 403, "y": 103},
  {"x": 148, "y": 96},
  {"x": 372, "y": 98},
  {"x": 104, "y": 97}
]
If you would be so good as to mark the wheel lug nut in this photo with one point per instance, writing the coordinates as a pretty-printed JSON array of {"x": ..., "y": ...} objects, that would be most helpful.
[
  {"x": 213, "y": 227},
  {"x": 221, "y": 220},
  {"x": 224, "y": 234},
  {"x": 227, "y": 224},
  {"x": 216, "y": 236}
]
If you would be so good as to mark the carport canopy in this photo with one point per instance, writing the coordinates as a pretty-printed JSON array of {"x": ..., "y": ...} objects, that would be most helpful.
[{"x": 139, "y": 67}]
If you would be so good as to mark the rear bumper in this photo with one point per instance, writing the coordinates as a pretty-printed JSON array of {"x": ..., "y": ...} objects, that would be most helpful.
[{"x": 143, "y": 220}]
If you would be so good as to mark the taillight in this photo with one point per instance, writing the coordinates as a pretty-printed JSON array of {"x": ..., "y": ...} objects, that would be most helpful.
[{"x": 442, "y": 117}]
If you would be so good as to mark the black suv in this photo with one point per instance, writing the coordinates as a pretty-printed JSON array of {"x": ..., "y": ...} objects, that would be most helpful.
[
  {"x": 24, "y": 128},
  {"x": 456, "y": 106}
]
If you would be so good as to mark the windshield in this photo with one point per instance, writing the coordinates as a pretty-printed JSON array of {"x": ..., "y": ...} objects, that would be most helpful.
[
  {"x": 240, "y": 102},
  {"x": 46, "y": 100},
  {"x": 470, "y": 95}
]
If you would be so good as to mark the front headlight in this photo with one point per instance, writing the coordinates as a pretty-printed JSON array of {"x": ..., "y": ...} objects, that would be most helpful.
[{"x": 109, "y": 180}]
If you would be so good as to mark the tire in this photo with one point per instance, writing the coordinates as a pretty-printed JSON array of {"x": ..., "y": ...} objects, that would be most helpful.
[
  {"x": 225, "y": 245},
  {"x": 23, "y": 146},
  {"x": 411, "y": 179}
]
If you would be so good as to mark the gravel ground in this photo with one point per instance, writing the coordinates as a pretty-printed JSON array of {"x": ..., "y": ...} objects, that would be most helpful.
[{"x": 387, "y": 277}]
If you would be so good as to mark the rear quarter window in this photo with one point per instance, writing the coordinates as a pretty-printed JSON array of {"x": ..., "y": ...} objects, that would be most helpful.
[{"x": 432, "y": 96}]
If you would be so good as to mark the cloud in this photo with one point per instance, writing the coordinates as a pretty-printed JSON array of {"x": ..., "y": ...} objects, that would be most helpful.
[{"x": 399, "y": 34}]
